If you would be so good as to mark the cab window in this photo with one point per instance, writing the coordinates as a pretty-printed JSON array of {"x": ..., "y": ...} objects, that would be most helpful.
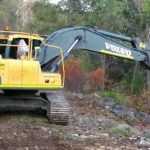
[
  {"x": 36, "y": 43},
  {"x": 13, "y": 49},
  {"x": 2, "y": 48}
]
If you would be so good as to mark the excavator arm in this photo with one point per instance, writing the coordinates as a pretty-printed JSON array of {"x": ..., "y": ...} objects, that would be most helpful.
[{"x": 91, "y": 39}]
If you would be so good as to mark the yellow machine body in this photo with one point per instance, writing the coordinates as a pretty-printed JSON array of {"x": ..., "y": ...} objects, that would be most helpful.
[{"x": 25, "y": 73}]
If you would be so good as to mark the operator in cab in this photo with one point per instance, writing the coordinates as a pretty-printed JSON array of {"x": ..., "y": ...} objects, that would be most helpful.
[{"x": 22, "y": 50}]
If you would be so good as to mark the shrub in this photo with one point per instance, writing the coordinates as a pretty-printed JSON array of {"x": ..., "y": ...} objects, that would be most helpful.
[
  {"x": 97, "y": 78},
  {"x": 136, "y": 84},
  {"x": 118, "y": 132},
  {"x": 75, "y": 77},
  {"x": 119, "y": 98},
  {"x": 140, "y": 102}
]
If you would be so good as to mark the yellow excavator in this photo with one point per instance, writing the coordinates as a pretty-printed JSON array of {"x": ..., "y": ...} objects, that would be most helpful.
[
  {"x": 32, "y": 81},
  {"x": 21, "y": 78}
]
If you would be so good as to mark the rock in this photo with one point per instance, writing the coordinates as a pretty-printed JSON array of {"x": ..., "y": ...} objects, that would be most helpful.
[
  {"x": 108, "y": 101},
  {"x": 130, "y": 116},
  {"x": 44, "y": 128},
  {"x": 107, "y": 123},
  {"x": 77, "y": 95},
  {"x": 94, "y": 124},
  {"x": 83, "y": 120},
  {"x": 146, "y": 133},
  {"x": 143, "y": 142},
  {"x": 124, "y": 127},
  {"x": 107, "y": 109},
  {"x": 133, "y": 110},
  {"x": 124, "y": 130},
  {"x": 120, "y": 111},
  {"x": 104, "y": 135},
  {"x": 132, "y": 138},
  {"x": 148, "y": 118},
  {"x": 141, "y": 114},
  {"x": 79, "y": 120},
  {"x": 81, "y": 96}
]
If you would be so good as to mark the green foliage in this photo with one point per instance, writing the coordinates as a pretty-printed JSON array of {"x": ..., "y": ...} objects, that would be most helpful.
[
  {"x": 72, "y": 6},
  {"x": 85, "y": 61},
  {"x": 32, "y": 118},
  {"x": 146, "y": 10},
  {"x": 114, "y": 15},
  {"x": 8, "y": 13},
  {"x": 135, "y": 84},
  {"x": 119, "y": 98},
  {"x": 46, "y": 18},
  {"x": 118, "y": 68},
  {"x": 118, "y": 132}
]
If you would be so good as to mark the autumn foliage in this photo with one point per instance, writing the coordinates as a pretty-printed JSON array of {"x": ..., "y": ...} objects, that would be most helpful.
[
  {"x": 97, "y": 78},
  {"x": 75, "y": 78}
]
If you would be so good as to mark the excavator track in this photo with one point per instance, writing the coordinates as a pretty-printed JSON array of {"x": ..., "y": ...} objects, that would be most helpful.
[
  {"x": 53, "y": 102},
  {"x": 59, "y": 111}
]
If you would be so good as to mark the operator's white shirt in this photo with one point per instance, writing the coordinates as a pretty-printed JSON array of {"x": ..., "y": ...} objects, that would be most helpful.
[{"x": 22, "y": 48}]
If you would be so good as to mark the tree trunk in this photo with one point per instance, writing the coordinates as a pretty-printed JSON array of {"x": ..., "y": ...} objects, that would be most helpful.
[{"x": 148, "y": 41}]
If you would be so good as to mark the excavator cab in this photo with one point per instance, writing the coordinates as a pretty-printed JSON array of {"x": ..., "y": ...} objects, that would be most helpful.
[
  {"x": 23, "y": 84},
  {"x": 25, "y": 72}
]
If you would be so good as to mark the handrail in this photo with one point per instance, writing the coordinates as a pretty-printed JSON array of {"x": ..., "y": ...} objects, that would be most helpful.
[
  {"x": 12, "y": 45},
  {"x": 14, "y": 32},
  {"x": 22, "y": 33},
  {"x": 62, "y": 57}
]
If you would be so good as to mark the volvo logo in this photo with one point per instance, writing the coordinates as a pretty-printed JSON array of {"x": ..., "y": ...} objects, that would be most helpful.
[{"x": 117, "y": 49}]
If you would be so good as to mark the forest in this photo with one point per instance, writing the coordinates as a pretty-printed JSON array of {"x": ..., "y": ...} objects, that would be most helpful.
[
  {"x": 87, "y": 71},
  {"x": 105, "y": 104}
]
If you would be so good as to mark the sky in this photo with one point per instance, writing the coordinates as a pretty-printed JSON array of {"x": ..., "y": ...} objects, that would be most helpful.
[{"x": 54, "y": 1}]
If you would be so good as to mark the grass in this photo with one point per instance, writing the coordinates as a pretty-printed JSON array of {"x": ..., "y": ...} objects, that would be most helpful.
[
  {"x": 118, "y": 132},
  {"x": 118, "y": 98},
  {"x": 32, "y": 118}
]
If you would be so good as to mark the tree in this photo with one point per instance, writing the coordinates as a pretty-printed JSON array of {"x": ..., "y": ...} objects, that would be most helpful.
[
  {"x": 146, "y": 10},
  {"x": 74, "y": 10},
  {"x": 115, "y": 15},
  {"x": 7, "y": 8},
  {"x": 112, "y": 15},
  {"x": 45, "y": 18},
  {"x": 23, "y": 14},
  {"x": 145, "y": 14}
]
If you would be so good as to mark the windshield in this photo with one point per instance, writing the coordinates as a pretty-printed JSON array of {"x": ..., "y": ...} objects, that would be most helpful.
[{"x": 2, "y": 48}]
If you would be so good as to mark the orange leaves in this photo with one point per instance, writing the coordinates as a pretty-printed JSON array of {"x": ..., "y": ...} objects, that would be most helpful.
[
  {"x": 75, "y": 78},
  {"x": 97, "y": 78}
]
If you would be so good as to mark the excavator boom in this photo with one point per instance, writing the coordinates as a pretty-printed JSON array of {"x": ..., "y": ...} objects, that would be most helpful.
[{"x": 90, "y": 39}]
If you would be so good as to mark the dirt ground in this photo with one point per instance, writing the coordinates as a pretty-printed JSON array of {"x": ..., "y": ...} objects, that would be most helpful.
[{"x": 31, "y": 131}]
